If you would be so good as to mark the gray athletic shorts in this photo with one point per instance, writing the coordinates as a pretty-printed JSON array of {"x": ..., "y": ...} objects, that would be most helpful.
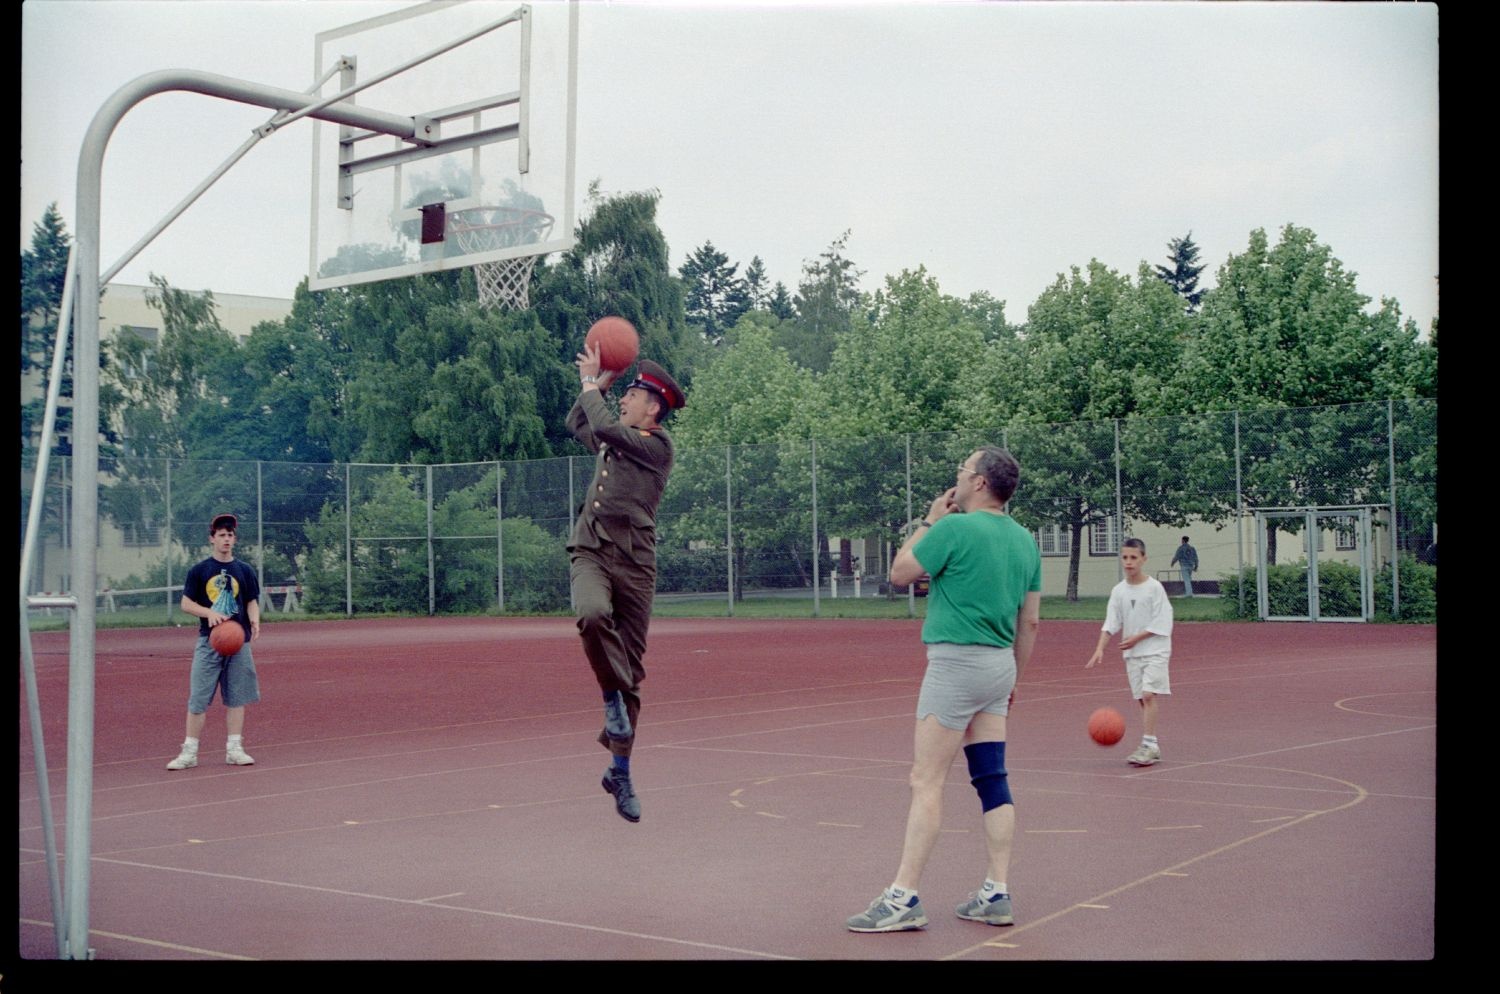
[
  {"x": 963, "y": 680},
  {"x": 234, "y": 679}
]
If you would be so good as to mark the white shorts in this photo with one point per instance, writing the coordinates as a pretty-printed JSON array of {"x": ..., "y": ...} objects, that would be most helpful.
[{"x": 1148, "y": 674}]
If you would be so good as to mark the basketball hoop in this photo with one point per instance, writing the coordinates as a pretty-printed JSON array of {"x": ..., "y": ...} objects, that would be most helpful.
[{"x": 485, "y": 229}]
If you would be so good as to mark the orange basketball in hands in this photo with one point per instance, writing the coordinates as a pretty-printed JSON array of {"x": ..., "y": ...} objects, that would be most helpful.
[
  {"x": 226, "y": 637},
  {"x": 617, "y": 342}
]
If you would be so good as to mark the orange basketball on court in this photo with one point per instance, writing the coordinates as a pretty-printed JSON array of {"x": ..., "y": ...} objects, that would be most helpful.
[
  {"x": 226, "y": 637},
  {"x": 617, "y": 342},
  {"x": 1106, "y": 726}
]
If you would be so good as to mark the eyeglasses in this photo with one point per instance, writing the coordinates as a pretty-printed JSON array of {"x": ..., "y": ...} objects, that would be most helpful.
[{"x": 964, "y": 469}]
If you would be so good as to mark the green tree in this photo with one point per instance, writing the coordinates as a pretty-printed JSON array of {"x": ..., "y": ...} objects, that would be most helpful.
[
  {"x": 619, "y": 265},
  {"x": 744, "y": 428},
  {"x": 779, "y": 302},
  {"x": 825, "y": 302},
  {"x": 757, "y": 285},
  {"x": 1096, "y": 347},
  {"x": 43, "y": 273},
  {"x": 1287, "y": 328},
  {"x": 716, "y": 297},
  {"x": 1182, "y": 272}
]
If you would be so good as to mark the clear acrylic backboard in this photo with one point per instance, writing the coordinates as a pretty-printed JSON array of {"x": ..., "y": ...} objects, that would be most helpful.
[{"x": 490, "y": 176}]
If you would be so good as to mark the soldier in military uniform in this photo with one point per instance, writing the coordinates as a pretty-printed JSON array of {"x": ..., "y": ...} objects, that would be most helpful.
[{"x": 613, "y": 546}]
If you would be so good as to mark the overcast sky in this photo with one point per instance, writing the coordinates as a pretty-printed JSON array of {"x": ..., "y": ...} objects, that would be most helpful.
[{"x": 995, "y": 144}]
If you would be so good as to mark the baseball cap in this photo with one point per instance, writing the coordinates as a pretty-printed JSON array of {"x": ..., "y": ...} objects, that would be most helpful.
[{"x": 224, "y": 521}]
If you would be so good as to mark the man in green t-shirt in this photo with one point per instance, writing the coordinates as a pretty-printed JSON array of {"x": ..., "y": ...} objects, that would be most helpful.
[{"x": 983, "y": 611}]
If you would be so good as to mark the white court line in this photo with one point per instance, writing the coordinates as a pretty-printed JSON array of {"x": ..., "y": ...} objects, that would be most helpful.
[
  {"x": 140, "y": 940},
  {"x": 430, "y": 903},
  {"x": 586, "y": 712}
]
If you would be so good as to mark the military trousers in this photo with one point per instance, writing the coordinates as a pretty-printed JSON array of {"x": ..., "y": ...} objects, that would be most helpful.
[{"x": 612, "y": 594}]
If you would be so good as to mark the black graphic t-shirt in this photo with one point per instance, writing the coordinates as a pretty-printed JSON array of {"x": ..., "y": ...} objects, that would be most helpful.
[{"x": 224, "y": 587}]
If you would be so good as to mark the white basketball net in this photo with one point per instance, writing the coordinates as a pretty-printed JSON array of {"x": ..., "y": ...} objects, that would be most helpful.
[{"x": 504, "y": 283}]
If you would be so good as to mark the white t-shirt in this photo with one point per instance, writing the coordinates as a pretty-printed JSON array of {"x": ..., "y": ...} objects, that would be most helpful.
[{"x": 1141, "y": 607}]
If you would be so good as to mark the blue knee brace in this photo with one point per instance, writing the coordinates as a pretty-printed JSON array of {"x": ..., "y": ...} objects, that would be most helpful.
[{"x": 987, "y": 773}]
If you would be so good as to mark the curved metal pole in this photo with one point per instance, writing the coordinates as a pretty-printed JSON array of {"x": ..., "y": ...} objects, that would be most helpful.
[
  {"x": 86, "y": 435},
  {"x": 28, "y": 548}
]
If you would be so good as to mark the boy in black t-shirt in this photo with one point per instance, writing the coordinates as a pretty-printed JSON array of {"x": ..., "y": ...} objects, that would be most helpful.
[{"x": 221, "y": 590}]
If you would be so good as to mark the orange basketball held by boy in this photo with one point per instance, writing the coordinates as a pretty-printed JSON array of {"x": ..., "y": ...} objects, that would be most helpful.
[
  {"x": 227, "y": 637},
  {"x": 616, "y": 340}
]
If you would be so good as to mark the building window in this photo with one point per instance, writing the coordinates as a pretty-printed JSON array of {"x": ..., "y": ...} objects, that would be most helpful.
[
  {"x": 1104, "y": 537},
  {"x": 1343, "y": 535},
  {"x": 1054, "y": 540},
  {"x": 138, "y": 364}
]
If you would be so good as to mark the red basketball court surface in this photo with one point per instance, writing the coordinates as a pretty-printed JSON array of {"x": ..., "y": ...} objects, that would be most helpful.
[{"x": 429, "y": 790}]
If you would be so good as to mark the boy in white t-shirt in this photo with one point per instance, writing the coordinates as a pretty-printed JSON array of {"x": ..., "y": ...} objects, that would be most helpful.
[{"x": 1140, "y": 610}]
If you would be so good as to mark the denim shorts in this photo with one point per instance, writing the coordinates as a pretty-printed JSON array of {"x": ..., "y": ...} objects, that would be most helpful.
[
  {"x": 234, "y": 678},
  {"x": 963, "y": 680}
]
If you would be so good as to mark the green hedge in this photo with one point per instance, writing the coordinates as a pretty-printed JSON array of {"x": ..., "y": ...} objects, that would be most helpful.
[{"x": 1338, "y": 591}]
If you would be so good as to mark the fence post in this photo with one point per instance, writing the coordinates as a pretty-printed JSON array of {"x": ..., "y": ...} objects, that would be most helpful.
[
  {"x": 572, "y": 604},
  {"x": 1390, "y": 434},
  {"x": 1239, "y": 517},
  {"x": 431, "y": 574},
  {"x": 729, "y": 523},
  {"x": 1119, "y": 507},
  {"x": 168, "y": 556},
  {"x": 911, "y": 588},
  {"x": 500, "y": 538},
  {"x": 348, "y": 545},
  {"x": 817, "y": 552},
  {"x": 260, "y": 537}
]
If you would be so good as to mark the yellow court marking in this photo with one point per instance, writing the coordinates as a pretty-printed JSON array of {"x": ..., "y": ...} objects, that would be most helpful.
[
  {"x": 1098, "y": 907},
  {"x": 196, "y": 842},
  {"x": 761, "y": 783},
  {"x": 1002, "y": 945},
  {"x": 769, "y": 814},
  {"x": 737, "y": 792},
  {"x": 494, "y": 807},
  {"x": 1169, "y": 828},
  {"x": 1169, "y": 873},
  {"x": 1057, "y": 831},
  {"x": 440, "y": 897},
  {"x": 1260, "y": 821},
  {"x": 351, "y": 823},
  {"x": 1360, "y": 795},
  {"x": 736, "y": 803},
  {"x": 1343, "y": 705},
  {"x": 838, "y": 824}
]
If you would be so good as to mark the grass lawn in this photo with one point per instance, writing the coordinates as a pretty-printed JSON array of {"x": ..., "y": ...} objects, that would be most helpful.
[{"x": 1053, "y": 609}]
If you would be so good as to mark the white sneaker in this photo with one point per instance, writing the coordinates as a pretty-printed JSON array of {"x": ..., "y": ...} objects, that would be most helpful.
[
  {"x": 1145, "y": 756},
  {"x": 237, "y": 756},
  {"x": 186, "y": 760}
]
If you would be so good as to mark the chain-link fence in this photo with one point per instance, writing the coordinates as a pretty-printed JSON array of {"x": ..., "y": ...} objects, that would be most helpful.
[{"x": 815, "y": 518}]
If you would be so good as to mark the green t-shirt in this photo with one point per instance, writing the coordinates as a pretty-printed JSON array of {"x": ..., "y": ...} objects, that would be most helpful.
[{"x": 982, "y": 567}]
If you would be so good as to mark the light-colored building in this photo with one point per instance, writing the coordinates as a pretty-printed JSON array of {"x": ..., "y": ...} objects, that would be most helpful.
[{"x": 124, "y": 310}]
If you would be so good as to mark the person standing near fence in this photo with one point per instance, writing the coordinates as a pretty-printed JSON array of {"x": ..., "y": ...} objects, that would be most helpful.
[
  {"x": 983, "y": 612},
  {"x": 221, "y": 590},
  {"x": 1186, "y": 557},
  {"x": 613, "y": 546}
]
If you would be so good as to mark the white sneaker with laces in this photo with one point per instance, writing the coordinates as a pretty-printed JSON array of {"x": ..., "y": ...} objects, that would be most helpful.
[
  {"x": 186, "y": 760},
  {"x": 237, "y": 756}
]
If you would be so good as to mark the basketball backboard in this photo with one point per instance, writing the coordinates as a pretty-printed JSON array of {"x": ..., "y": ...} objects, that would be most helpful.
[{"x": 491, "y": 175}]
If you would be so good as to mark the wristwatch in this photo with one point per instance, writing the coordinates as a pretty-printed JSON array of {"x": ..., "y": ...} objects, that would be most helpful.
[{"x": 591, "y": 379}]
